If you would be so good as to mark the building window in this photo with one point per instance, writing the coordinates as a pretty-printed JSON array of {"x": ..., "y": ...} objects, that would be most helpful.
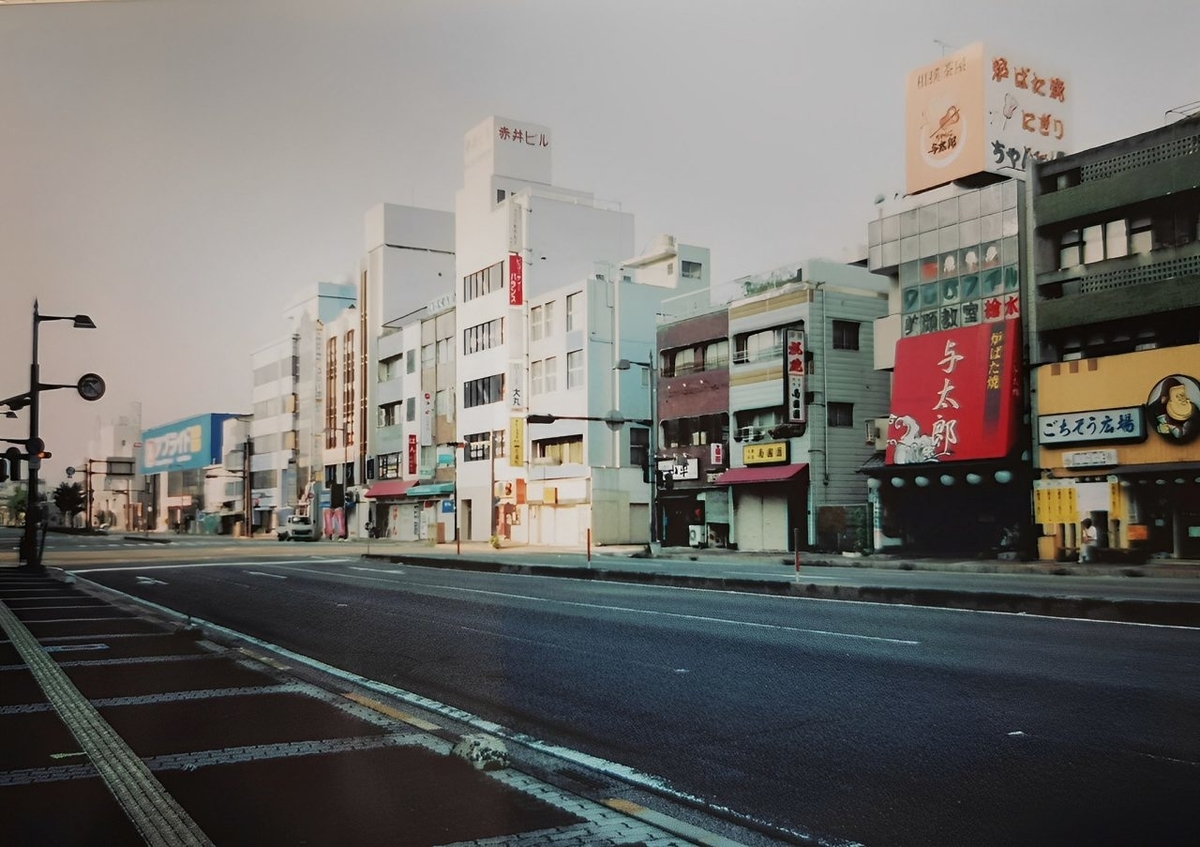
[
  {"x": 483, "y": 336},
  {"x": 548, "y": 320},
  {"x": 1093, "y": 244},
  {"x": 482, "y": 391},
  {"x": 483, "y": 282},
  {"x": 536, "y": 379},
  {"x": 694, "y": 432},
  {"x": 476, "y": 447},
  {"x": 348, "y": 404},
  {"x": 535, "y": 323},
  {"x": 387, "y": 466},
  {"x": 389, "y": 368},
  {"x": 389, "y": 414},
  {"x": 410, "y": 409},
  {"x": 1070, "y": 250},
  {"x": 428, "y": 357},
  {"x": 841, "y": 414},
  {"x": 1141, "y": 235},
  {"x": 331, "y": 393},
  {"x": 639, "y": 446},
  {"x": 558, "y": 451},
  {"x": 411, "y": 361},
  {"x": 445, "y": 351},
  {"x": 691, "y": 270},
  {"x": 574, "y": 315},
  {"x": 757, "y": 346},
  {"x": 442, "y": 400},
  {"x": 500, "y": 443},
  {"x": 845, "y": 335},
  {"x": 575, "y": 369},
  {"x": 551, "y": 374}
]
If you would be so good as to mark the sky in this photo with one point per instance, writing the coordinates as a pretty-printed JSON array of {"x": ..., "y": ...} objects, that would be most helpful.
[{"x": 180, "y": 169}]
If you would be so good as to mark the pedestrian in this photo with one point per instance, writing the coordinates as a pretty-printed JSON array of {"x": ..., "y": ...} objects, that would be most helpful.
[{"x": 1089, "y": 541}]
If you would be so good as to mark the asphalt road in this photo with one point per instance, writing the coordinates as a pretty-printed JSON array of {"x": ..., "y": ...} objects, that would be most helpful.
[{"x": 842, "y": 722}]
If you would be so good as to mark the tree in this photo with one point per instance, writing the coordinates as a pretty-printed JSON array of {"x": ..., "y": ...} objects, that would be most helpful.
[
  {"x": 70, "y": 500},
  {"x": 17, "y": 501}
]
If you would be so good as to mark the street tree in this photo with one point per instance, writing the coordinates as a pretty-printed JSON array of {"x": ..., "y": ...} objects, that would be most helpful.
[{"x": 70, "y": 500}]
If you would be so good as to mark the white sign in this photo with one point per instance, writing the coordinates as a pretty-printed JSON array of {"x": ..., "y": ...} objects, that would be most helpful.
[
  {"x": 441, "y": 304},
  {"x": 1124, "y": 424},
  {"x": 716, "y": 454},
  {"x": 1089, "y": 458},
  {"x": 427, "y": 418}
]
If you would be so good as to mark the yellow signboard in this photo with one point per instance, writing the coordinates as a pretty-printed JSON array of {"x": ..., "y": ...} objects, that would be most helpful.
[
  {"x": 516, "y": 442},
  {"x": 1054, "y": 501},
  {"x": 776, "y": 452}
]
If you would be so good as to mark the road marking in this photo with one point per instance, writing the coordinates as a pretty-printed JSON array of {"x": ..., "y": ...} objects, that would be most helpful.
[
  {"x": 260, "y": 573},
  {"x": 149, "y": 580},
  {"x": 384, "y": 709},
  {"x": 180, "y": 566},
  {"x": 377, "y": 570},
  {"x": 63, "y": 648}
]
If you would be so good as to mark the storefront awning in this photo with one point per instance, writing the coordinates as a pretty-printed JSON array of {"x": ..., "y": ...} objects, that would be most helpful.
[
  {"x": 390, "y": 488},
  {"x": 773, "y": 473},
  {"x": 433, "y": 489}
]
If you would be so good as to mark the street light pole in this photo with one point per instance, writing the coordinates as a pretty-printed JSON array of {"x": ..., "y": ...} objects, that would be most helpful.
[
  {"x": 31, "y": 554},
  {"x": 652, "y": 446}
]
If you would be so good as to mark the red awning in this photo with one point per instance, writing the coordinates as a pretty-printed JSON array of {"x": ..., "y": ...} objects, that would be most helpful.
[
  {"x": 390, "y": 488},
  {"x": 771, "y": 473}
]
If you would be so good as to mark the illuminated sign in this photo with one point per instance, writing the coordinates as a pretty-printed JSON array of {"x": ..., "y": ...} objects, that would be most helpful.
[
  {"x": 1122, "y": 424},
  {"x": 772, "y": 453},
  {"x": 412, "y": 454},
  {"x": 189, "y": 444},
  {"x": 955, "y": 395}
]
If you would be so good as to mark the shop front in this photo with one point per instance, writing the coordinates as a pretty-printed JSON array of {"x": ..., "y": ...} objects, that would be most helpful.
[
  {"x": 770, "y": 498},
  {"x": 1119, "y": 442},
  {"x": 428, "y": 513},
  {"x": 387, "y": 497}
]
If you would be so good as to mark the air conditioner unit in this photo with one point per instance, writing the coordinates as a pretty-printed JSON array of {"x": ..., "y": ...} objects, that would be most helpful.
[
  {"x": 695, "y": 535},
  {"x": 877, "y": 433}
]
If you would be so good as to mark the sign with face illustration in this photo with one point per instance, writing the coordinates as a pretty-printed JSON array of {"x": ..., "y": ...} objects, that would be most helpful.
[
  {"x": 955, "y": 395},
  {"x": 1173, "y": 408}
]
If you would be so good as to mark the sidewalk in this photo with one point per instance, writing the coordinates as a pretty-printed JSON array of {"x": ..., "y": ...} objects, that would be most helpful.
[
  {"x": 120, "y": 728},
  {"x": 1161, "y": 591}
]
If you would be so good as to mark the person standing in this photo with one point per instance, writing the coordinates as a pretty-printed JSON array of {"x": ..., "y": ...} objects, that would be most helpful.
[{"x": 1090, "y": 541}]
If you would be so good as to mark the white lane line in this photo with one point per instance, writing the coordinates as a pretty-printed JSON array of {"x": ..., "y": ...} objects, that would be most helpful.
[
  {"x": 377, "y": 570},
  {"x": 257, "y": 562},
  {"x": 655, "y": 613},
  {"x": 260, "y": 573}
]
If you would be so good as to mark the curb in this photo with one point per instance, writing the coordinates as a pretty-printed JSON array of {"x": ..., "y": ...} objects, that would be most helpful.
[{"x": 1088, "y": 608}]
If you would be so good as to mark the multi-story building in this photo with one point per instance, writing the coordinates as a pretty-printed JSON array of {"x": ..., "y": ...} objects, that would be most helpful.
[
  {"x": 273, "y": 443},
  {"x": 693, "y": 414},
  {"x": 1115, "y": 306},
  {"x": 179, "y": 459},
  {"x": 802, "y": 385},
  {"x": 520, "y": 242}
]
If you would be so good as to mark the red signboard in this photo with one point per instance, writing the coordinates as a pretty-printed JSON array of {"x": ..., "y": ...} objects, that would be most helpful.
[
  {"x": 793, "y": 385},
  {"x": 516, "y": 280},
  {"x": 956, "y": 395},
  {"x": 412, "y": 454}
]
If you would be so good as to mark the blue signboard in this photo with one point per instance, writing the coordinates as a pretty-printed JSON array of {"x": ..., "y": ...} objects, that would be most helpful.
[{"x": 189, "y": 444}]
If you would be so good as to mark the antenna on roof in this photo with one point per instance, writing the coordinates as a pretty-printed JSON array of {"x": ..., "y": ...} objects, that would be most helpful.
[{"x": 944, "y": 45}]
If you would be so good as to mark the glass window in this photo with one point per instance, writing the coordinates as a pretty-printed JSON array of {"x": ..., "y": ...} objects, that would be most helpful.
[
  {"x": 535, "y": 323},
  {"x": 968, "y": 205},
  {"x": 536, "y": 378},
  {"x": 411, "y": 360},
  {"x": 1116, "y": 239},
  {"x": 575, "y": 369},
  {"x": 639, "y": 446},
  {"x": 574, "y": 302},
  {"x": 1141, "y": 237},
  {"x": 548, "y": 320},
  {"x": 1093, "y": 244},
  {"x": 989, "y": 200},
  {"x": 1009, "y": 224},
  {"x": 442, "y": 402},
  {"x": 551, "y": 374},
  {"x": 990, "y": 227},
  {"x": 691, "y": 270},
  {"x": 948, "y": 238},
  {"x": 968, "y": 232},
  {"x": 845, "y": 335},
  {"x": 428, "y": 356},
  {"x": 410, "y": 409},
  {"x": 841, "y": 414},
  {"x": 1069, "y": 249}
]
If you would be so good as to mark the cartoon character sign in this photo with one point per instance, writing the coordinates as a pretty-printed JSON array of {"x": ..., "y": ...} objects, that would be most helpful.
[{"x": 1173, "y": 408}]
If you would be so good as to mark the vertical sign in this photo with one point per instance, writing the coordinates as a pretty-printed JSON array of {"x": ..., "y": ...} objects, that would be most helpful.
[
  {"x": 516, "y": 280},
  {"x": 716, "y": 454},
  {"x": 412, "y": 454},
  {"x": 426, "y": 418},
  {"x": 516, "y": 442},
  {"x": 793, "y": 376}
]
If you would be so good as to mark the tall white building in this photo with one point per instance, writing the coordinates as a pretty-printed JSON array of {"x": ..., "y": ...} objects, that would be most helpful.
[
  {"x": 121, "y": 500},
  {"x": 533, "y": 259}
]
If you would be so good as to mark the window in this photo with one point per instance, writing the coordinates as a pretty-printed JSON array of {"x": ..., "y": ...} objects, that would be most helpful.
[
  {"x": 389, "y": 414},
  {"x": 348, "y": 404},
  {"x": 535, "y": 323},
  {"x": 716, "y": 354},
  {"x": 476, "y": 447},
  {"x": 411, "y": 360},
  {"x": 445, "y": 350},
  {"x": 483, "y": 336},
  {"x": 483, "y": 282},
  {"x": 1070, "y": 249},
  {"x": 428, "y": 356},
  {"x": 691, "y": 270},
  {"x": 574, "y": 316},
  {"x": 387, "y": 466},
  {"x": 1093, "y": 244},
  {"x": 757, "y": 346},
  {"x": 410, "y": 409},
  {"x": 548, "y": 322},
  {"x": 841, "y": 414},
  {"x": 537, "y": 384},
  {"x": 551, "y": 374},
  {"x": 1141, "y": 235},
  {"x": 1116, "y": 239},
  {"x": 558, "y": 451},
  {"x": 694, "y": 432},
  {"x": 442, "y": 400},
  {"x": 389, "y": 368},
  {"x": 330, "y": 393},
  {"x": 639, "y": 446},
  {"x": 575, "y": 369},
  {"x": 845, "y": 335},
  {"x": 480, "y": 392}
]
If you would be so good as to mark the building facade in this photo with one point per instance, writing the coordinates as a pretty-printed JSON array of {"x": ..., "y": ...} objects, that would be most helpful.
[{"x": 1116, "y": 344}]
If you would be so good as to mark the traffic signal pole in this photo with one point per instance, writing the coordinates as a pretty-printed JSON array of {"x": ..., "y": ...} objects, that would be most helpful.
[{"x": 29, "y": 546}]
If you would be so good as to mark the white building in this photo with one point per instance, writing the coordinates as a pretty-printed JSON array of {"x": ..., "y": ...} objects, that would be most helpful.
[
  {"x": 121, "y": 500},
  {"x": 531, "y": 260}
]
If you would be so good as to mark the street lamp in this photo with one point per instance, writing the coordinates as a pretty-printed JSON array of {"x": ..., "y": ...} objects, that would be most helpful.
[
  {"x": 624, "y": 365},
  {"x": 92, "y": 389}
]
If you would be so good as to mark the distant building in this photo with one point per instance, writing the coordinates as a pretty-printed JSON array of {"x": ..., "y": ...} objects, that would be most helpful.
[{"x": 120, "y": 500}]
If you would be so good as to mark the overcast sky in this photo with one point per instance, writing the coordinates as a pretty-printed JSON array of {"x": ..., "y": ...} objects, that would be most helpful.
[{"x": 178, "y": 169}]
